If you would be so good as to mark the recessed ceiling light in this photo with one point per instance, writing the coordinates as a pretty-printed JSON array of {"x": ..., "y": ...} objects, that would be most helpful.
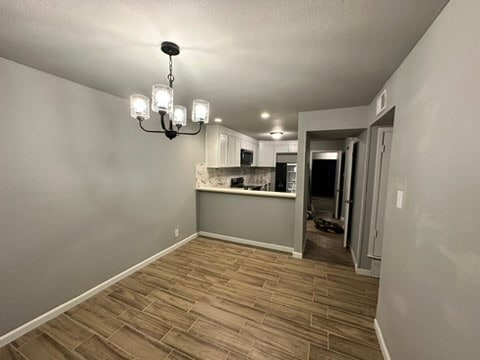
[
  {"x": 265, "y": 115},
  {"x": 276, "y": 135},
  {"x": 217, "y": 120}
]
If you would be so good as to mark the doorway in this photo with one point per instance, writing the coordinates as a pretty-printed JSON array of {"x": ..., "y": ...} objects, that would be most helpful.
[
  {"x": 325, "y": 183},
  {"x": 331, "y": 193}
]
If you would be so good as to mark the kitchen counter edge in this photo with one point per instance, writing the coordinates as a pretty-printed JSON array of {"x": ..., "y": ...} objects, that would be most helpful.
[{"x": 248, "y": 192}]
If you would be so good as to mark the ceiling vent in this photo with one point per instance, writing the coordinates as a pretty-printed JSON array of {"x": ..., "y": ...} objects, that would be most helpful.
[{"x": 382, "y": 102}]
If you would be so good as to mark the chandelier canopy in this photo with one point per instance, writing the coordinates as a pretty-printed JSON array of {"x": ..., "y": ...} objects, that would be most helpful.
[{"x": 162, "y": 102}]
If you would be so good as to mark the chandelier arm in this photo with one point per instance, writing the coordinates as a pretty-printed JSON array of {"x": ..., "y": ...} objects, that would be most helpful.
[
  {"x": 162, "y": 120},
  {"x": 193, "y": 133},
  {"x": 147, "y": 130}
]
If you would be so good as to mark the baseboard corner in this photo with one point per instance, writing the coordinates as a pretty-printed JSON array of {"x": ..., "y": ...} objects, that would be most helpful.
[
  {"x": 297, "y": 255},
  {"x": 359, "y": 271},
  {"x": 381, "y": 340},
  {"x": 60, "y": 309}
]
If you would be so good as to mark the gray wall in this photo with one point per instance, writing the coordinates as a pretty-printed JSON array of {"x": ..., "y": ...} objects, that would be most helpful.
[
  {"x": 321, "y": 120},
  {"x": 84, "y": 194},
  {"x": 319, "y": 145},
  {"x": 430, "y": 280},
  {"x": 258, "y": 218}
]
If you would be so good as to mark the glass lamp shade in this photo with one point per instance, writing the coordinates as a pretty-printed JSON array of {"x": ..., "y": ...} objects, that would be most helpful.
[
  {"x": 179, "y": 117},
  {"x": 139, "y": 107},
  {"x": 201, "y": 111},
  {"x": 162, "y": 98},
  {"x": 276, "y": 135}
]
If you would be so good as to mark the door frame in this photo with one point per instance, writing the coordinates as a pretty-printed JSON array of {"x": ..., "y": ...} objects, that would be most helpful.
[
  {"x": 376, "y": 190},
  {"x": 348, "y": 186},
  {"x": 337, "y": 178}
]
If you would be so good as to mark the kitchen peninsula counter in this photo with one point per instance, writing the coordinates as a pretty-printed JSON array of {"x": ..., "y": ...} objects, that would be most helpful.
[
  {"x": 237, "y": 191},
  {"x": 252, "y": 217}
]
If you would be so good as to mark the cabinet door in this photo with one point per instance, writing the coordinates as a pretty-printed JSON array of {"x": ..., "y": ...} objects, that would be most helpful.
[
  {"x": 255, "y": 154},
  {"x": 231, "y": 151},
  {"x": 293, "y": 147},
  {"x": 281, "y": 148},
  {"x": 222, "y": 150},
  {"x": 238, "y": 149},
  {"x": 266, "y": 155}
]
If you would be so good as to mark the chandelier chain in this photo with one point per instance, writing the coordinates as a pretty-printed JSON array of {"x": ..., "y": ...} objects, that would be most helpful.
[{"x": 170, "y": 76}]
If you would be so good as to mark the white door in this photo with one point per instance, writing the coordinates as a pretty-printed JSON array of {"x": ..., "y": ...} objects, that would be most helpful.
[
  {"x": 384, "y": 147},
  {"x": 347, "y": 188},
  {"x": 338, "y": 182}
]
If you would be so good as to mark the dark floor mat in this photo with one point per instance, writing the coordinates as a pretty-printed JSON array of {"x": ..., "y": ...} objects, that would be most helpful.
[{"x": 327, "y": 226}]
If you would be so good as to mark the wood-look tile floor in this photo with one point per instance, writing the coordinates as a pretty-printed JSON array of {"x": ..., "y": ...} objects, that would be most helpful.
[{"x": 215, "y": 300}]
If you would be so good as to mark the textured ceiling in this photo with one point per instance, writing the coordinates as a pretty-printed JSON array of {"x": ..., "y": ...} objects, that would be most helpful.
[{"x": 243, "y": 56}]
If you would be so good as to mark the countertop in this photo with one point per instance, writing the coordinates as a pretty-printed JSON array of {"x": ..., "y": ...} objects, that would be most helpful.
[{"x": 248, "y": 192}]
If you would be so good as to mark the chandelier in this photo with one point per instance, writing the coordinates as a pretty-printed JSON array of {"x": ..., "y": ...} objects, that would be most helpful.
[{"x": 162, "y": 102}]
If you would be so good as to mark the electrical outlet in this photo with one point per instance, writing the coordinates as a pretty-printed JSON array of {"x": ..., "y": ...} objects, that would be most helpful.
[
  {"x": 177, "y": 233},
  {"x": 399, "y": 199}
]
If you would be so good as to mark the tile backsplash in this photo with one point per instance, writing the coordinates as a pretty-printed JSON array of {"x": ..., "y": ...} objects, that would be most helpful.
[{"x": 220, "y": 177}]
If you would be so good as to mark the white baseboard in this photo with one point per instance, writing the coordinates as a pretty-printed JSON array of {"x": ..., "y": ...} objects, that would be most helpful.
[
  {"x": 381, "y": 341},
  {"x": 358, "y": 270},
  {"x": 246, "y": 242},
  {"x": 297, "y": 255},
  {"x": 32, "y": 324}
]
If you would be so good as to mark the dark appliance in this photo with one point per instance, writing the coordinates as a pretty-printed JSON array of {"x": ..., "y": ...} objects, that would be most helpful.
[
  {"x": 246, "y": 157},
  {"x": 236, "y": 182},
  {"x": 286, "y": 177},
  {"x": 239, "y": 182},
  {"x": 281, "y": 177}
]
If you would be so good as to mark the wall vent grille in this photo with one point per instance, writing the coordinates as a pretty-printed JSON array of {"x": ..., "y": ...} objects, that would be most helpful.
[{"x": 382, "y": 102}]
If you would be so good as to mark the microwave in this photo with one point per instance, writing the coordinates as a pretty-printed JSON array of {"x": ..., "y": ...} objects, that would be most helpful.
[{"x": 246, "y": 157}]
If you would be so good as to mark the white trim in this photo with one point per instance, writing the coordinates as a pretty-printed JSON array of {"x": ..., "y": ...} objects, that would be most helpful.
[
  {"x": 381, "y": 340},
  {"x": 376, "y": 189},
  {"x": 32, "y": 324},
  {"x": 297, "y": 255},
  {"x": 359, "y": 271},
  {"x": 237, "y": 191},
  {"x": 365, "y": 272},
  {"x": 363, "y": 200},
  {"x": 246, "y": 242}
]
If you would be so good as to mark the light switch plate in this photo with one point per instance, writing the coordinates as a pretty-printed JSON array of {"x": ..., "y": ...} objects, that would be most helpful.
[{"x": 399, "y": 199}]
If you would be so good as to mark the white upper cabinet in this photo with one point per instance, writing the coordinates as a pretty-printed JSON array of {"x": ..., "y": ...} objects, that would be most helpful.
[
  {"x": 293, "y": 147},
  {"x": 266, "y": 154},
  {"x": 223, "y": 147},
  {"x": 281, "y": 148},
  {"x": 268, "y": 150}
]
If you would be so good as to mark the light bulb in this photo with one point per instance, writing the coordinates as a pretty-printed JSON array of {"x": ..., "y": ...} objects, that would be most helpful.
[
  {"x": 179, "y": 117},
  {"x": 162, "y": 98},
  {"x": 201, "y": 111},
  {"x": 139, "y": 107},
  {"x": 265, "y": 115}
]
